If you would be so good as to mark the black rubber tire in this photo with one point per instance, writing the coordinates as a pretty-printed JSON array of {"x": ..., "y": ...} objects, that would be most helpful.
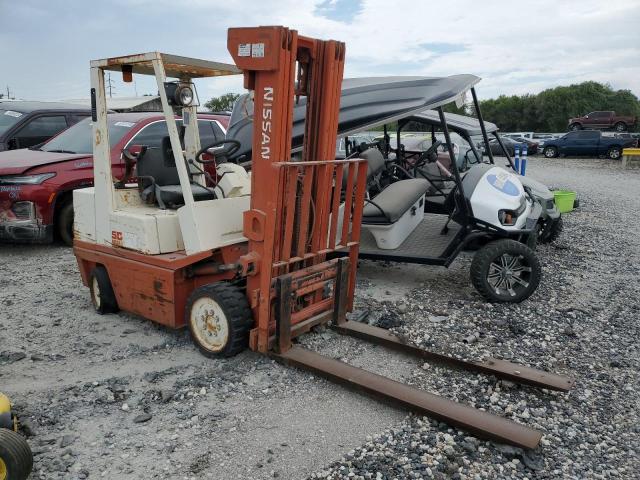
[
  {"x": 550, "y": 152},
  {"x": 553, "y": 233},
  {"x": 490, "y": 252},
  {"x": 575, "y": 126},
  {"x": 614, "y": 153},
  {"x": 532, "y": 239},
  {"x": 620, "y": 127},
  {"x": 65, "y": 223},
  {"x": 233, "y": 303},
  {"x": 108, "y": 302},
  {"x": 16, "y": 455}
]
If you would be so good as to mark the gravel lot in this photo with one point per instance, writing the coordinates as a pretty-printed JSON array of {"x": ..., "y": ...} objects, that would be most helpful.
[{"x": 119, "y": 397}]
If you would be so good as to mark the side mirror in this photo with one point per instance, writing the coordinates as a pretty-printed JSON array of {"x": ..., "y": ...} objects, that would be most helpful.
[{"x": 13, "y": 144}]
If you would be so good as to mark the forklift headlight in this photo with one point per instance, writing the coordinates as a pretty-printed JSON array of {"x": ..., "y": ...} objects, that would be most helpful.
[{"x": 181, "y": 94}]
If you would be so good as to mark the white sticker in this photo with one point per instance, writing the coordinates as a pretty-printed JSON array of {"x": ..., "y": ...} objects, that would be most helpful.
[
  {"x": 257, "y": 50},
  {"x": 130, "y": 240},
  {"x": 124, "y": 124},
  {"x": 11, "y": 113},
  {"x": 244, "y": 50}
]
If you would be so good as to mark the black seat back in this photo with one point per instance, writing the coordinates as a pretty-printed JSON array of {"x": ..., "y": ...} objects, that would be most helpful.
[
  {"x": 159, "y": 164},
  {"x": 375, "y": 162}
]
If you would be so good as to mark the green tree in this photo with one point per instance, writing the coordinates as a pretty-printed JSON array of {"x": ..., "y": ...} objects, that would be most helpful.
[{"x": 222, "y": 103}]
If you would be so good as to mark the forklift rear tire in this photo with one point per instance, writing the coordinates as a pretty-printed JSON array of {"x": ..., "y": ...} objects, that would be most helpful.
[
  {"x": 219, "y": 319},
  {"x": 102, "y": 296},
  {"x": 505, "y": 271},
  {"x": 16, "y": 459}
]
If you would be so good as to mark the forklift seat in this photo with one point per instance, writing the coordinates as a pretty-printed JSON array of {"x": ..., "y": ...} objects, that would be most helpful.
[{"x": 158, "y": 178}]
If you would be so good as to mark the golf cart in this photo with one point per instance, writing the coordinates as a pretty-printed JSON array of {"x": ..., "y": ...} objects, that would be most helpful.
[{"x": 468, "y": 128}]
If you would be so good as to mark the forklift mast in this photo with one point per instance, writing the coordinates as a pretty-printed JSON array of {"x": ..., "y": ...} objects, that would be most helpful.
[{"x": 293, "y": 220}]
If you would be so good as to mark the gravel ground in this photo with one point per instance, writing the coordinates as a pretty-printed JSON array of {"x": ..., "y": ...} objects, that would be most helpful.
[{"x": 119, "y": 397}]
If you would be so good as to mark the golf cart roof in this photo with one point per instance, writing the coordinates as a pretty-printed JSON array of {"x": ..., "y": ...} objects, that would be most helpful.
[
  {"x": 175, "y": 66},
  {"x": 457, "y": 123},
  {"x": 365, "y": 103}
]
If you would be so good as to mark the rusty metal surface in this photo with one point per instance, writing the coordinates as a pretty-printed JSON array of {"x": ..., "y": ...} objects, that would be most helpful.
[
  {"x": 175, "y": 66},
  {"x": 499, "y": 368},
  {"x": 475, "y": 421}
]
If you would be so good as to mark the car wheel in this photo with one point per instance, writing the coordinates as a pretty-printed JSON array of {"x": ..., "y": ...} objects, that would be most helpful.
[
  {"x": 550, "y": 152},
  {"x": 575, "y": 126},
  {"x": 505, "y": 271},
  {"x": 65, "y": 223},
  {"x": 620, "y": 127},
  {"x": 614, "y": 153},
  {"x": 16, "y": 458},
  {"x": 102, "y": 295},
  {"x": 219, "y": 319}
]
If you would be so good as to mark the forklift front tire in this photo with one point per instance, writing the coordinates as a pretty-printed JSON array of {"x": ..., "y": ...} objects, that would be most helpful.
[
  {"x": 102, "y": 295},
  {"x": 505, "y": 271},
  {"x": 16, "y": 459},
  {"x": 219, "y": 319}
]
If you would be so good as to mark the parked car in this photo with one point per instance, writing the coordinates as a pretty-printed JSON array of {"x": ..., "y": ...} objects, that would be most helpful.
[
  {"x": 509, "y": 144},
  {"x": 36, "y": 184},
  {"x": 25, "y": 124},
  {"x": 532, "y": 146},
  {"x": 603, "y": 120},
  {"x": 588, "y": 142}
]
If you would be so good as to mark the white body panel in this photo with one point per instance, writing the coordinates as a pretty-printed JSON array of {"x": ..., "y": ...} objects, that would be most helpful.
[
  {"x": 389, "y": 237},
  {"x": 499, "y": 189},
  {"x": 84, "y": 214},
  {"x": 217, "y": 223}
]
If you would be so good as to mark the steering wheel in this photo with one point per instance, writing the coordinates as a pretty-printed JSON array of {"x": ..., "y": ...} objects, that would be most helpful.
[
  {"x": 430, "y": 154},
  {"x": 235, "y": 146}
]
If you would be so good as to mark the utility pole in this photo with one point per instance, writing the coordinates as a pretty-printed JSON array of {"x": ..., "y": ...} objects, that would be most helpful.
[
  {"x": 9, "y": 94},
  {"x": 109, "y": 84}
]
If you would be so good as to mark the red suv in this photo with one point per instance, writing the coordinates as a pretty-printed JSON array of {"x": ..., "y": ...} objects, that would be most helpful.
[{"x": 36, "y": 201}]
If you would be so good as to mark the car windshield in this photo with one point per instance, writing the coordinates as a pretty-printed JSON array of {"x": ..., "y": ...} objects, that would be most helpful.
[
  {"x": 8, "y": 118},
  {"x": 78, "y": 139}
]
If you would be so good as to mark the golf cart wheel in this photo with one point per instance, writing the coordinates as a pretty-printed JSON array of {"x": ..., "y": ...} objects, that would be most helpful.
[
  {"x": 219, "y": 319},
  {"x": 550, "y": 152},
  {"x": 552, "y": 233},
  {"x": 65, "y": 224},
  {"x": 16, "y": 459},
  {"x": 102, "y": 296},
  {"x": 505, "y": 271},
  {"x": 614, "y": 153}
]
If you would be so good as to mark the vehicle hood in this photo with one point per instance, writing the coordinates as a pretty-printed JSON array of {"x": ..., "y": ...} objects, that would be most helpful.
[
  {"x": 364, "y": 103},
  {"x": 15, "y": 162}
]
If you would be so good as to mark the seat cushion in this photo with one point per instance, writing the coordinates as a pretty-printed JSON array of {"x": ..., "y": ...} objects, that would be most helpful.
[
  {"x": 172, "y": 194},
  {"x": 394, "y": 201}
]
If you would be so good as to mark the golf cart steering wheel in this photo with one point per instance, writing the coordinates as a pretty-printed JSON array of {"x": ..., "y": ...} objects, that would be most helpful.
[
  {"x": 235, "y": 146},
  {"x": 430, "y": 154}
]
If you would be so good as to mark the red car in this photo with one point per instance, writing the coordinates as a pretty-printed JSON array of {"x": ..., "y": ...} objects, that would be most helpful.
[{"x": 36, "y": 201}]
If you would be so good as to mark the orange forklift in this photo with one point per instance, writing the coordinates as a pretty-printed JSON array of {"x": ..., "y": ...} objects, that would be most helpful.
[{"x": 251, "y": 259}]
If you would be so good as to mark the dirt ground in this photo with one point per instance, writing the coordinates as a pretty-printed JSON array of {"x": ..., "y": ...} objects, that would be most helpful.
[{"x": 116, "y": 396}]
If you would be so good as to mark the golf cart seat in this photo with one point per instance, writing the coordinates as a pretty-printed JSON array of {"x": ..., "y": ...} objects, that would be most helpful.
[
  {"x": 159, "y": 182},
  {"x": 397, "y": 210}
]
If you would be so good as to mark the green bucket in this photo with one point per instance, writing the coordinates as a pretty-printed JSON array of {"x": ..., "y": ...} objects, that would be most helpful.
[{"x": 564, "y": 200}]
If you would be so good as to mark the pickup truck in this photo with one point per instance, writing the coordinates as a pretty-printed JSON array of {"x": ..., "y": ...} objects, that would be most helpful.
[
  {"x": 587, "y": 142},
  {"x": 603, "y": 121}
]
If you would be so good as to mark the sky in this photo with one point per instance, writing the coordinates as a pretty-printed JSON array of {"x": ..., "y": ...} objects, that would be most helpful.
[{"x": 517, "y": 47}]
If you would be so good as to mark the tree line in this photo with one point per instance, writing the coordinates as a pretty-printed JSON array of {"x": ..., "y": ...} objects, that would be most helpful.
[{"x": 550, "y": 110}]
